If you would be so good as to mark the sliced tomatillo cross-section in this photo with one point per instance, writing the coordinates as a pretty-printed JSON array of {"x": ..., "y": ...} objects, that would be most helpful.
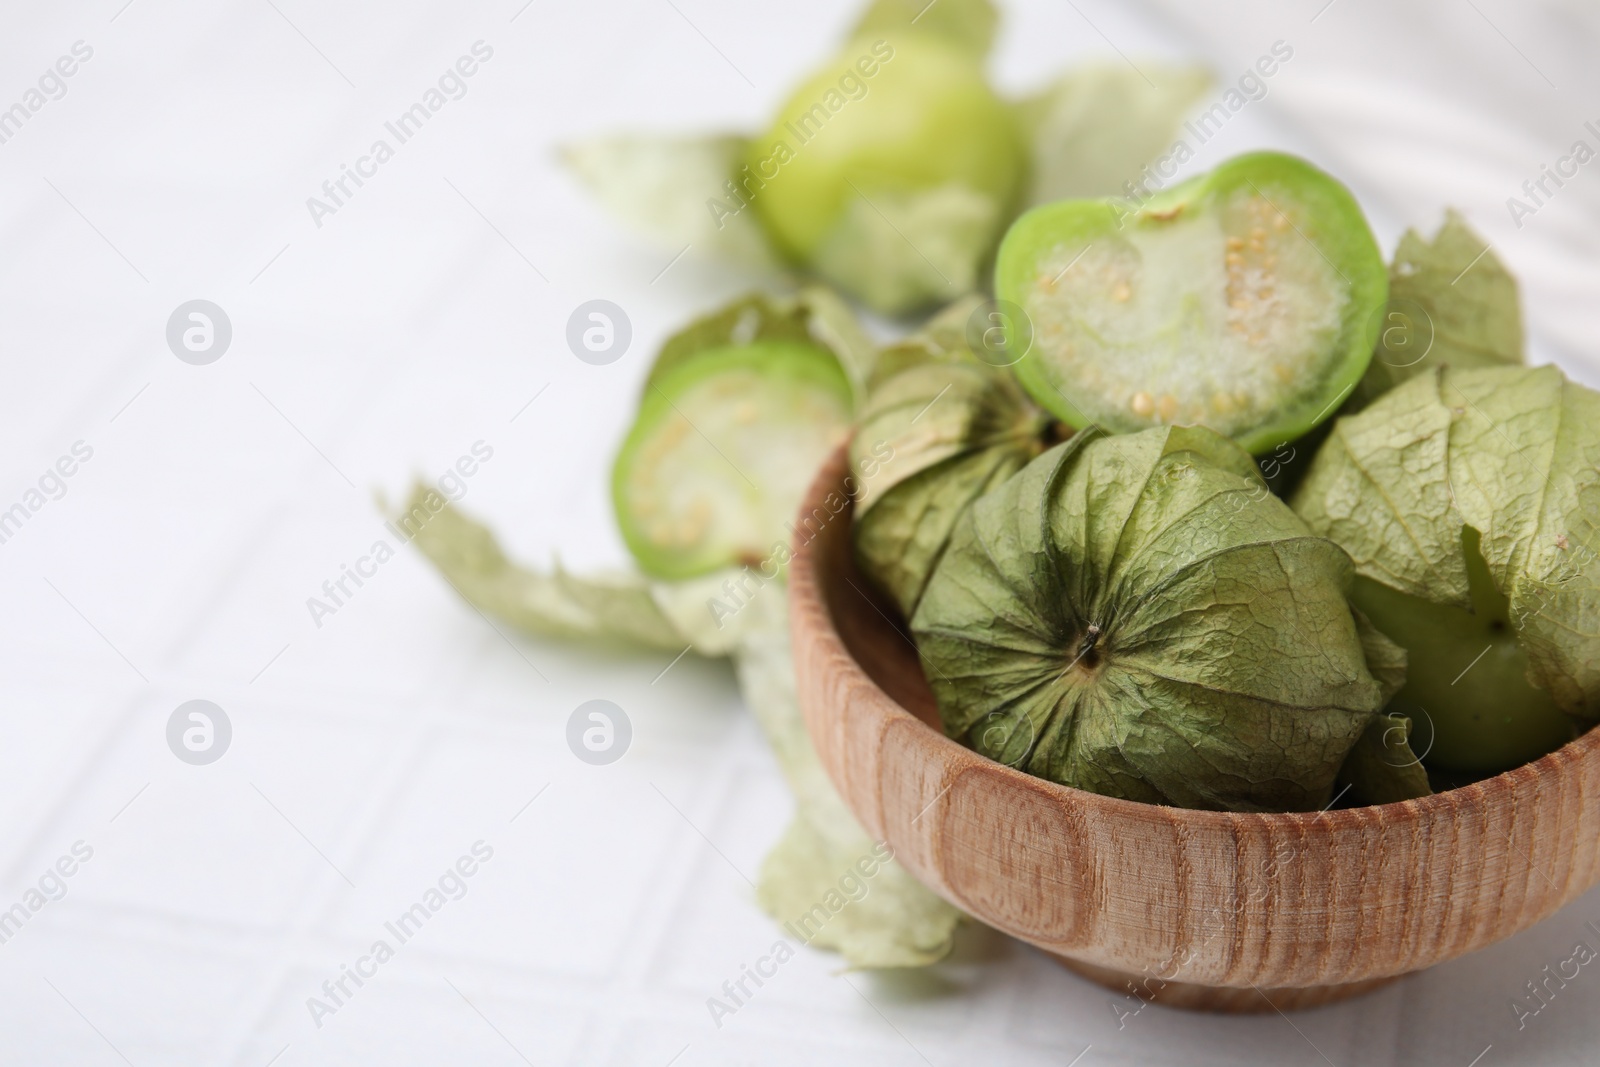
[
  {"x": 722, "y": 451},
  {"x": 1136, "y": 615},
  {"x": 1246, "y": 300}
]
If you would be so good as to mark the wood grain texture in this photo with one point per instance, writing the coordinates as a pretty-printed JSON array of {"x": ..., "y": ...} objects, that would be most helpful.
[{"x": 1298, "y": 908}]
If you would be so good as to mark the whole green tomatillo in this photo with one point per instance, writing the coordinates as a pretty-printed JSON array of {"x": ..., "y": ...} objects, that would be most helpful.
[{"x": 891, "y": 171}]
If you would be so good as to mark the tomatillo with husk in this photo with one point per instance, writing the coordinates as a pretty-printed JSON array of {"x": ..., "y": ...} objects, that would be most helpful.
[{"x": 1469, "y": 502}]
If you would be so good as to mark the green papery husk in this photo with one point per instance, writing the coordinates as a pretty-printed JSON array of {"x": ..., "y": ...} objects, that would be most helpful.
[
  {"x": 1511, "y": 452},
  {"x": 660, "y": 184},
  {"x": 1094, "y": 128},
  {"x": 1452, "y": 303},
  {"x": 900, "y": 252},
  {"x": 814, "y": 315},
  {"x": 1138, "y": 616},
  {"x": 937, "y": 432},
  {"x": 1382, "y": 768}
]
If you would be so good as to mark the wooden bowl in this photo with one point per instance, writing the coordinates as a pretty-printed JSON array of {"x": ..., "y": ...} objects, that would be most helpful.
[{"x": 1202, "y": 909}]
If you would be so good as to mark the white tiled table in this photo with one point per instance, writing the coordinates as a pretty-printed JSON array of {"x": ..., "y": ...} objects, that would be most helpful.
[{"x": 371, "y": 752}]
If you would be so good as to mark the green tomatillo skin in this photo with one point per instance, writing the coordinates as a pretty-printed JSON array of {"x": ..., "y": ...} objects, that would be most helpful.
[
  {"x": 722, "y": 451},
  {"x": 1467, "y": 691},
  {"x": 1246, "y": 300},
  {"x": 890, "y": 172}
]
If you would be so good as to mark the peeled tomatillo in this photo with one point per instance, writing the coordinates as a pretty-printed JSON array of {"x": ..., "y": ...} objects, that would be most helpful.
[
  {"x": 890, "y": 172},
  {"x": 1246, "y": 300}
]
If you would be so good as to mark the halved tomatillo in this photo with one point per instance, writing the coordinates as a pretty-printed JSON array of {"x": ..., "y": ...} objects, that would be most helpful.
[
  {"x": 722, "y": 451},
  {"x": 1246, "y": 300}
]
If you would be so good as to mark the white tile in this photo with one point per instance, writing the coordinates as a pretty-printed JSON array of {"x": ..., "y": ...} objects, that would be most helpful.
[
  {"x": 410, "y": 1013},
  {"x": 153, "y": 1003}
]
